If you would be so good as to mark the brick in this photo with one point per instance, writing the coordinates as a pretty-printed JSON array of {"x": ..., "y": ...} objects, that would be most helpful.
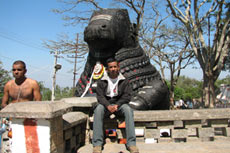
[
  {"x": 53, "y": 144},
  {"x": 192, "y": 123},
  {"x": 72, "y": 142},
  {"x": 222, "y": 138},
  {"x": 152, "y": 133},
  {"x": 193, "y": 139},
  {"x": 165, "y": 140},
  {"x": 165, "y": 125},
  {"x": 179, "y": 133},
  {"x": 207, "y": 139},
  {"x": 57, "y": 124},
  {"x": 192, "y": 132},
  {"x": 205, "y": 132},
  {"x": 179, "y": 140},
  {"x": 60, "y": 139},
  {"x": 78, "y": 130},
  {"x": 68, "y": 133},
  {"x": 151, "y": 125},
  {"x": 56, "y": 140},
  {"x": 226, "y": 131},
  {"x": 219, "y": 123},
  {"x": 178, "y": 124},
  {"x": 60, "y": 148}
]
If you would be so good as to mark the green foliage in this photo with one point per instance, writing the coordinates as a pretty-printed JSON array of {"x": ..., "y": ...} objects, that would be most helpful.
[
  {"x": 59, "y": 92},
  {"x": 178, "y": 93},
  {"x": 187, "y": 89},
  {"x": 45, "y": 92},
  {"x": 4, "y": 78},
  {"x": 63, "y": 92}
]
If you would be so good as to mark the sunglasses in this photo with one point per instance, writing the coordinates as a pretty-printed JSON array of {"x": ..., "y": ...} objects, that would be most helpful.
[{"x": 17, "y": 69}]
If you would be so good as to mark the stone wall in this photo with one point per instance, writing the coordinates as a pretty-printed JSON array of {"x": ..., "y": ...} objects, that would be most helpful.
[{"x": 69, "y": 124}]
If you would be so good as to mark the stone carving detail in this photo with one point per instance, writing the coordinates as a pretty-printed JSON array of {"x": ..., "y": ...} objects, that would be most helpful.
[{"x": 110, "y": 34}]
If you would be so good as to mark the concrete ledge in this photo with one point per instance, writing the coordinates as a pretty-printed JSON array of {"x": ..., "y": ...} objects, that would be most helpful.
[
  {"x": 35, "y": 109},
  {"x": 80, "y": 102},
  {"x": 73, "y": 118},
  {"x": 189, "y": 114},
  {"x": 192, "y": 147}
]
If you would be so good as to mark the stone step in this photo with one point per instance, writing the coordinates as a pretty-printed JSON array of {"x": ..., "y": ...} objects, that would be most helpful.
[{"x": 192, "y": 147}]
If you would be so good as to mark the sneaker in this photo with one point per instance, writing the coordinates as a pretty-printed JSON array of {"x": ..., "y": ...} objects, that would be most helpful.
[
  {"x": 133, "y": 149},
  {"x": 97, "y": 149}
]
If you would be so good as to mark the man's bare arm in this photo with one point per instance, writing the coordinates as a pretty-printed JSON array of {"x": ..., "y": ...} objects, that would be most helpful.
[
  {"x": 36, "y": 92},
  {"x": 5, "y": 98}
]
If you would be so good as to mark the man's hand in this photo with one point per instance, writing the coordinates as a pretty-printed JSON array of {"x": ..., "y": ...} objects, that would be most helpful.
[{"x": 112, "y": 108}]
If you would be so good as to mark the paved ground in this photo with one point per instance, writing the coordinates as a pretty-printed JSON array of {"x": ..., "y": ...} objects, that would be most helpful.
[{"x": 191, "y": 147}]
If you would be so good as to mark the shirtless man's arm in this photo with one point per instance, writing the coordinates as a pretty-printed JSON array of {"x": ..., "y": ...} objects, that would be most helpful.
[
  {"x": 5, "y": 98},
  {"x": 36, "y": 91}
]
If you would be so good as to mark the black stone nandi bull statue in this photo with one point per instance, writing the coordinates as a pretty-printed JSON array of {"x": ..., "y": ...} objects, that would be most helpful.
[{"x": 110, "y": 34}]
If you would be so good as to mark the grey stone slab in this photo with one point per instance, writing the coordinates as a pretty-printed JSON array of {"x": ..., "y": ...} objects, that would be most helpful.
[
  {"x": 191, "y": 147},
  {"x": 205, "y": 132},
  {"x": 152, "y": 133},
  {"x": 219, "y": 123},
  {"x": 36, "y": 109},
  {"x": 227, "y": 131},
  {"x": 80, "y": 101},
  {"x": 190, "y": 114},
  {"x": 73, "y": 118},
  {"x": 178, "y": 124},
  {"x": 179, "y": 133},
  {"x": 192, "y": 123}
]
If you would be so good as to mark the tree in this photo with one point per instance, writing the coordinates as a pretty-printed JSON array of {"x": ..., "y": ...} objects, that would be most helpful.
[
  {"x": 45, "y": 92},
  {"x": 187, "y": 89},
  {"x": 62, "y": 92},
  {"x": 194, "y": 15},
  {"x": 73, "y": 13},
  {"x": 192, "y": 88},
  {"x": 4, "y": 78},
  {"x": 59, "y": 92},
  {"x": 166, "y": 45},
  {"x": 227, "y": 58},
  {"x": 66, "y": 46}
]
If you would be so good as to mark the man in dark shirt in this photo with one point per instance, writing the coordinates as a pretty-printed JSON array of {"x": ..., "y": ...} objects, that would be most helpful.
[{"x": 113, "y": 94}]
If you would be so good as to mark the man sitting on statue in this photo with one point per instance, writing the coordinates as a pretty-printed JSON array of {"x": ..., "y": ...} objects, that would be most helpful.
[{"x": 113, "y": 95}]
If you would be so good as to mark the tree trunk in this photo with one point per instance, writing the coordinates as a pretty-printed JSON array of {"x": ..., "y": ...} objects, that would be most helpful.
[
  {"x": 209, "y": 95},
  {"x": 171, "y": 92}
]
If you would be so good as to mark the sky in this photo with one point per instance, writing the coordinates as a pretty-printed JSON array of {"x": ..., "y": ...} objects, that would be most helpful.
[{"x": 25, "y": 24}]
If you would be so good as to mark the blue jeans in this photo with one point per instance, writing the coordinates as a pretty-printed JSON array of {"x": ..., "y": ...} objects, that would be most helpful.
[{"x": 99, "y": 113}]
